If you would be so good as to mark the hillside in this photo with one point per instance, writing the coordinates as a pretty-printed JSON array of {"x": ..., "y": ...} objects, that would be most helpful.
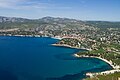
[
  {"x": 46, "y": 22},
  {"x": 115, "y": 76},
  {"x": 53, "y": 23},
  {"x": 104, "y": 24}
]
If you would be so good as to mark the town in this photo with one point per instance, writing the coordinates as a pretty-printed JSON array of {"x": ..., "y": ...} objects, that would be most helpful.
[{"x": 102, "y": 42}]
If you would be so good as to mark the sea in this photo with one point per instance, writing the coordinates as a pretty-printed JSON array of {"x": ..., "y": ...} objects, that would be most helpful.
[{"x": 34, "y": 58}]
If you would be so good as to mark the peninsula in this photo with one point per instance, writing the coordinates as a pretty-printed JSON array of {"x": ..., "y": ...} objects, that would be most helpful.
[
  {"x": 101, "y": 39},
  {"x": 103, "y": 53}
]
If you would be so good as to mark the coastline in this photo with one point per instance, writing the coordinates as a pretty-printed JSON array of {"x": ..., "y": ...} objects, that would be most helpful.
[
  {"x": 59, "y": 38},
  {"x": 115, "y": 68},
  {"x": 22, "y": 35},
  {"x": 109, "y": 62},
  {"x": 64, "y": 45}
]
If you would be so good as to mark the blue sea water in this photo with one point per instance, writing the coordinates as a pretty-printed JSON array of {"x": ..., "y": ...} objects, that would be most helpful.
[{"x": 30, "y": 58}]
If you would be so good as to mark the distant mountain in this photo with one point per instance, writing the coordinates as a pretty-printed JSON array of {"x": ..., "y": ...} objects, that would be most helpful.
[
  {"x": 12, "y": 19},
  {"x": 60, "y": 20},
  {"x": 44, "y": 19},
  {"x": 53, "y": 23},
  {"x": 45, "y": 22},
  {"x": 104, "y": 24}
]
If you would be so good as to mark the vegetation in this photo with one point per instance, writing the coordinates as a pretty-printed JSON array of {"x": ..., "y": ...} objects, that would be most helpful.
[
  {"x": 69, "y": 41},
  {"x": 104, "y": 53},
  {"x": 102, "y": 38},
  {"x": 115, "y": 76},
  {"x": 104, "y": 24}
]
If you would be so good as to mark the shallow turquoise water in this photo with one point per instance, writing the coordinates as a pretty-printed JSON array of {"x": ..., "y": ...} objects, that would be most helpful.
[{"x": 25, "y": 58}]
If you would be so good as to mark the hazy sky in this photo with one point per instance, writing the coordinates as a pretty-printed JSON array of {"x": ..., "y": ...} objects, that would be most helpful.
[{"x": 108, "y": 10}]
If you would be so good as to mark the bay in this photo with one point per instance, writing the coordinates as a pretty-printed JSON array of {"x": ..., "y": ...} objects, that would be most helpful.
[{"x": 31, "y": 58}]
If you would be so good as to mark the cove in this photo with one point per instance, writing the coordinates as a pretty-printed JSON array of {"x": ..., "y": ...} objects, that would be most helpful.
[{"x": 31, "y": 58}]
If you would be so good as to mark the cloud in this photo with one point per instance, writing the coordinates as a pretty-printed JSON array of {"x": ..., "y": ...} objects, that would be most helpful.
[
  {"x": 8, "y": 3},
  {"x": 20, "y": 4},
  {"x": 28, "y": 4}
]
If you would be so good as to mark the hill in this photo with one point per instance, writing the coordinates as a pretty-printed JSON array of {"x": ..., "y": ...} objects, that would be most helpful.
[{"x": 53, "y": 23}]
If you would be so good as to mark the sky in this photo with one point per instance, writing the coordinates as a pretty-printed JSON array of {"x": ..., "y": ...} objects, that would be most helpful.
[{"x": 100, "y": 10}]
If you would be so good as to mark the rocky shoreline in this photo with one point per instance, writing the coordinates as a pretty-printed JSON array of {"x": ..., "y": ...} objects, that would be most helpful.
[
  {"x": 115, "y": 67},
  {"x": 64, "y": 45}
]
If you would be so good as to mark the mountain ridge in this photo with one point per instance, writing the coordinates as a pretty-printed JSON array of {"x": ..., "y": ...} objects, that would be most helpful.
[{"x": 15, "y": 22}]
